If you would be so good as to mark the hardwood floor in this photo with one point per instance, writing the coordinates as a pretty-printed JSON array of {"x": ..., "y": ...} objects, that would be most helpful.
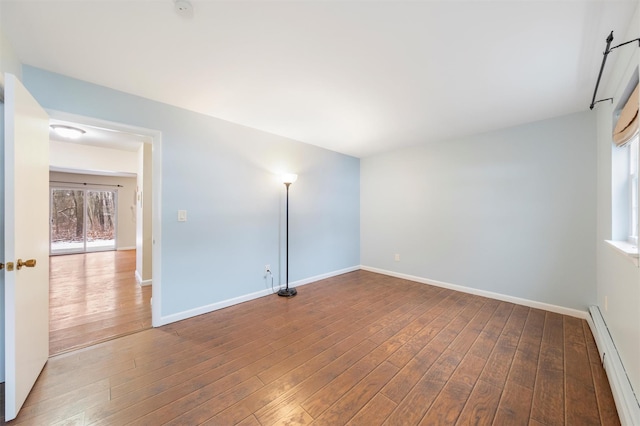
[
  {"x": 358, "y": 349},
  {"x": 94, "y": 297}
]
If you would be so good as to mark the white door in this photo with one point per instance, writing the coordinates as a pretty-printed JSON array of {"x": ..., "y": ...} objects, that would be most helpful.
[{"x": 26, "y": 227}]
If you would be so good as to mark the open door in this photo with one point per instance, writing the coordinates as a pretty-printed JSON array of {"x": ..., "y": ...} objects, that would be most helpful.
[{"x": 26, "y": 222}]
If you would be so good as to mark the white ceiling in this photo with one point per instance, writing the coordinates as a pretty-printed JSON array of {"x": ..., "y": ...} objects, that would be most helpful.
[{"x": 358, "y": 77}]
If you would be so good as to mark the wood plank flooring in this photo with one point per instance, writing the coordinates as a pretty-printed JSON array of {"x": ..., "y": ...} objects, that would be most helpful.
[
  {"x": 95, "y": 297},
  {"x": 357, "y": 349}
]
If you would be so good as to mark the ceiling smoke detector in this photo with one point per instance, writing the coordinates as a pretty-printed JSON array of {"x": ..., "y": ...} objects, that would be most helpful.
[{"x": 183, "y": 8}]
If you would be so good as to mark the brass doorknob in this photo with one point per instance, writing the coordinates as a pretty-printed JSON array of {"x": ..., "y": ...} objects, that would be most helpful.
[{"x": 28, "y": 263}]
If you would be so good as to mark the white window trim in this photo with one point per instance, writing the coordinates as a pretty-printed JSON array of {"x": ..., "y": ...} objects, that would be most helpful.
[
  {"x": 633, "y": 189},
  {"x": 627, "y": 249}
]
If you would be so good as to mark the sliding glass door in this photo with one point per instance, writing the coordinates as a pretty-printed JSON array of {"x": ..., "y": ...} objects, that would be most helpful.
[{"x": 82, "y": 220}]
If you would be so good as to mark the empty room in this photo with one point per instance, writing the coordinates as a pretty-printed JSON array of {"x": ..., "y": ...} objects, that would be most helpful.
[{"x": 337, "y": 212}]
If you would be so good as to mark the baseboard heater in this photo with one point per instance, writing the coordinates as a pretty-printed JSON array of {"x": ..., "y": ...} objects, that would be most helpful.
[{"x": 625, "y": 399}]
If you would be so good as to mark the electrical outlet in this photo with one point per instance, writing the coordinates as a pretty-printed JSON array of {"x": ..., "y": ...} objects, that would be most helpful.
[
  {"x": 397, "y": 257},
  {"x": 267, "y": 269}
]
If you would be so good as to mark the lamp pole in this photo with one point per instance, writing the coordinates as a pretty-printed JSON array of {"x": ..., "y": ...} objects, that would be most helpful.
[{"x": 287, "y": 292}]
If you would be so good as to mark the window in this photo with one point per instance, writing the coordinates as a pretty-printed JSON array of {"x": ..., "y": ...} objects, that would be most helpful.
[
  {"x": 82, "y": 220},
  {"x": 633, "y": 191},
  {"x": 625, "y": 169}
]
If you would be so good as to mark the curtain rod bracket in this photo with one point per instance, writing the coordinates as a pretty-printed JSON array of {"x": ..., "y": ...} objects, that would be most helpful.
[
  {"x": 606, "y": 52},
  {"x": 625, "y": 43},
  {"x": 602, "y": 100}
]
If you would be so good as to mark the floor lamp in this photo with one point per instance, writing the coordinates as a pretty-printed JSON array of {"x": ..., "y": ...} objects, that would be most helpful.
[{"x": 287, "y": 179}]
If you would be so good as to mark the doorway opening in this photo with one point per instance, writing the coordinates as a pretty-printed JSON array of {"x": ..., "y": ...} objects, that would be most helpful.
[
  {"x": 100, "y": 245},
  {"x": 82, "y": 220}
]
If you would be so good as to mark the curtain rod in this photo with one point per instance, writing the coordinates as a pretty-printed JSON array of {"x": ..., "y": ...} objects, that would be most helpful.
[
  {"x": 606, "y": 52},
  {"x": 85, "y": 183}
]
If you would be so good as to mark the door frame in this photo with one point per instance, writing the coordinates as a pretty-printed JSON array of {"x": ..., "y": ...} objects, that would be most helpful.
[{"x": 155, "y": 137}]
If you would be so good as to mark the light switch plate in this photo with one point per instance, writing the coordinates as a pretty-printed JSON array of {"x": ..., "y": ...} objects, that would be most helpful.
[{"x": 182, "y": 215}]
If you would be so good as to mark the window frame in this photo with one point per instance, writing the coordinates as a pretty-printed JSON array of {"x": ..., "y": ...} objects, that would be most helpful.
[{"x": 633, "y": 189}]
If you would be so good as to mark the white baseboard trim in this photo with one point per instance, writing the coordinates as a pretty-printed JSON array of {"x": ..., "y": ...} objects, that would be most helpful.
[
  {"x": 324, "y": 276},
  {"x": 126, "y": 248},
  {"x": 212, "y": 307},
  {"x": 140, "y": 281},
  {"x": 503, "y": 297},
  {"x": 245, "y": 298},
  {"x": 626, "y": 402}
]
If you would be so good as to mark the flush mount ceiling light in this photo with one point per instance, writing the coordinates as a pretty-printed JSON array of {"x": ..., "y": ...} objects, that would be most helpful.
[{"x": 68, "y": 132}]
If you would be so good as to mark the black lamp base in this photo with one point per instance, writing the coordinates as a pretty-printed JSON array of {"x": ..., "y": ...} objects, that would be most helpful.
[{"x": 287, "y": 292}]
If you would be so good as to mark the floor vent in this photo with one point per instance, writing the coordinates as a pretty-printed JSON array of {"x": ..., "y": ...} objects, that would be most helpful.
[{"x": 626, "y": 401}]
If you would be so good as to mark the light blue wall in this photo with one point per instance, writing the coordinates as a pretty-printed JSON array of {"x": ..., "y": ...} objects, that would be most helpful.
[
  {"x": 223, "y": 174},
  {"x": 511, "y": 211}
]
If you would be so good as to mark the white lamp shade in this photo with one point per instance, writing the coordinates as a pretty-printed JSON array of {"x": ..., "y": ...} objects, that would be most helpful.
[{"x": 289, "y": 178}]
